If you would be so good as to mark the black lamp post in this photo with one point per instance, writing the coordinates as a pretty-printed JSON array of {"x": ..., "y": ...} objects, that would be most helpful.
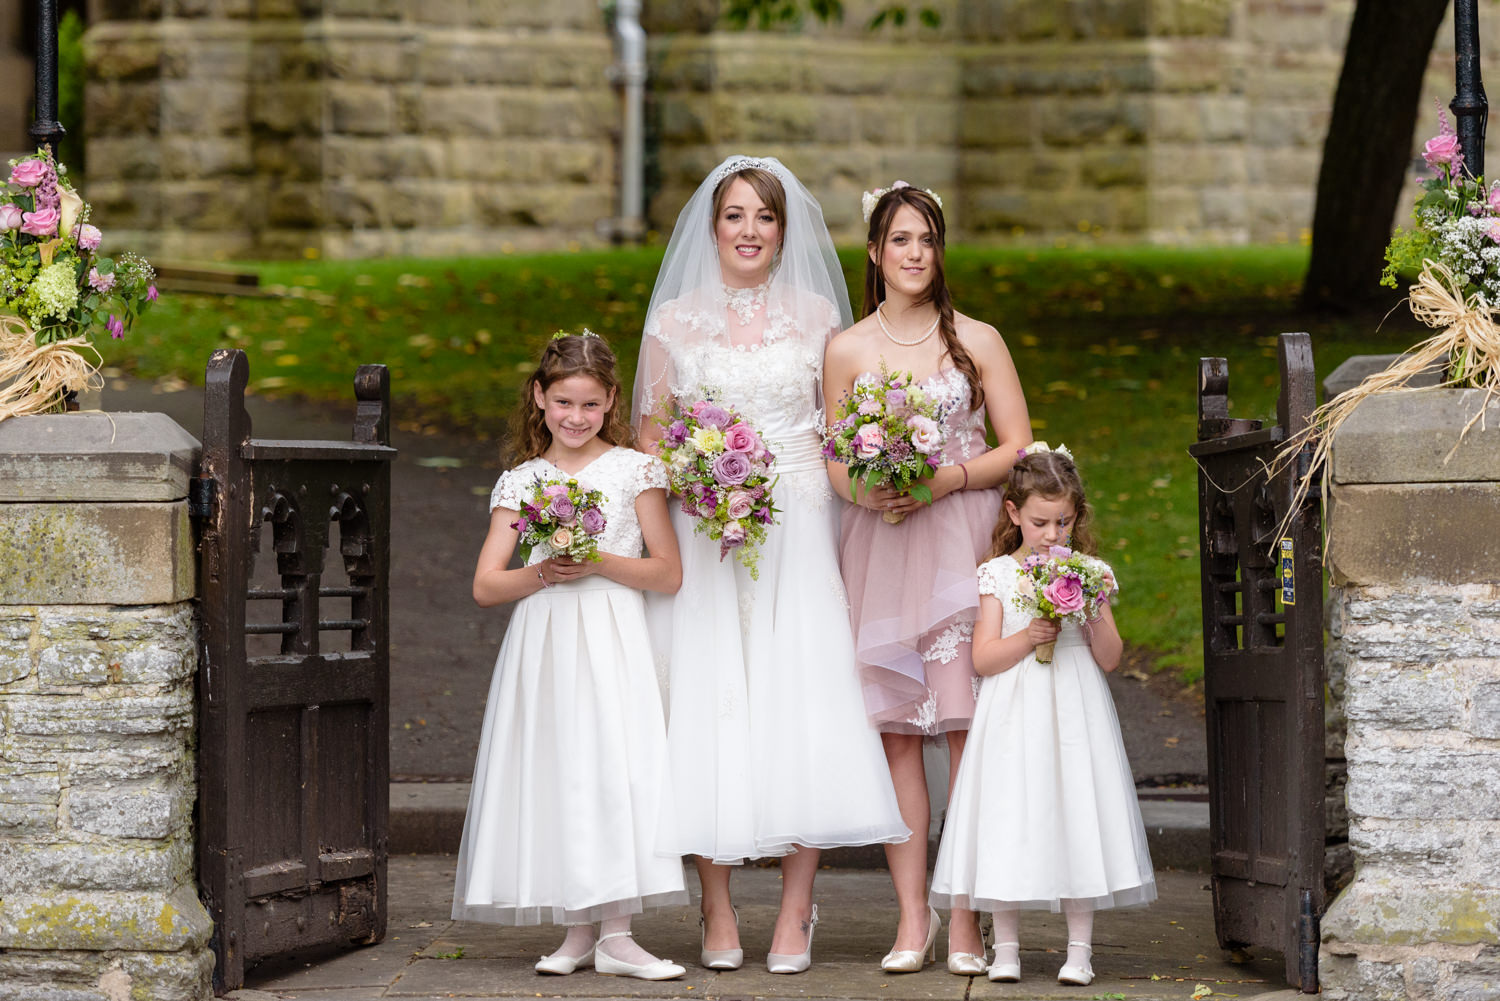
[
  {"x": 46, "y": 130},
  {"x": 1469, "y": 106}
]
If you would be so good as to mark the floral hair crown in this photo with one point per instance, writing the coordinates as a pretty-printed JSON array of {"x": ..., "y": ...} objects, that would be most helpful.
[
  {"x": 870, "y": 199},
  {"x": 1037, "y": 447},
  {"x": 585, "y": 332}
]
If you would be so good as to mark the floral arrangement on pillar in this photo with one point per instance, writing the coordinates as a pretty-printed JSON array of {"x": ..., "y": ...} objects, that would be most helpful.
[
  {"x": 57, "y": 290},
  {"x": 1454, "y": 246}
]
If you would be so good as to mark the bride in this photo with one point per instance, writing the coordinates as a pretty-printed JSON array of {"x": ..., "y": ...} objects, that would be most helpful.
[{"x": 767, "y": 736}]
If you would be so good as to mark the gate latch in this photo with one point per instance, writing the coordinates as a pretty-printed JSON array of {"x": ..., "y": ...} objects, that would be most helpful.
[{"x": 203, "y": 492}]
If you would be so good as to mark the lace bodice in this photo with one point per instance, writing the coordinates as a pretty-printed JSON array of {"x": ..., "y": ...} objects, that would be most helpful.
[
  {"x": 773, "y": 382},
  {"x": 621, "y": 474},
  {"x": 997, "y": 578}
]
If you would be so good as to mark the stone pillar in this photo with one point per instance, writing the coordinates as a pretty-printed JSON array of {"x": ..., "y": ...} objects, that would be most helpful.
[
  {"x": 1415, "y": 566},
  {"x": 98, "y": 653}
]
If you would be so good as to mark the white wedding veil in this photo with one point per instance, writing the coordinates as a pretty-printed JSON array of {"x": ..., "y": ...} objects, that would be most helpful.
[{"x": 690, "y": 302}]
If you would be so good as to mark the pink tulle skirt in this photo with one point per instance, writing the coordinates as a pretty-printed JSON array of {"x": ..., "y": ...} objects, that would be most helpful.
[{"x": 913, "y": 598}]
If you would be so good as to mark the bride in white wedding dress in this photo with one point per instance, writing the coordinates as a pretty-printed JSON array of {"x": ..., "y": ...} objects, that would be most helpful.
[{"x": 769, "y": 748}]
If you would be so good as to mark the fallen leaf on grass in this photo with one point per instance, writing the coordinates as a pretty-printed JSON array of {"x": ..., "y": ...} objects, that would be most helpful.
[{"x": 1170, "y": 742}]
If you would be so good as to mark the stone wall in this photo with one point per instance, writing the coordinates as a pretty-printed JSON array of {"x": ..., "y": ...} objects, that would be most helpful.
[
  {"x": 225, "y": 128},
  {"x": 1416, "y": 626},
  {"x": 98, "y": 655}
]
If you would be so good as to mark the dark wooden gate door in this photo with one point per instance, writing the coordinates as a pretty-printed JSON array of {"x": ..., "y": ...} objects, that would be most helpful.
[
  {"x": 292, "y": 756},
  {"x": 1263, "y": 670}
]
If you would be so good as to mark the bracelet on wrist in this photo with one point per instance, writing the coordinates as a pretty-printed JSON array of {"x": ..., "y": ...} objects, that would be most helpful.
[
  {"x": 542, "y": 577},
  {"x": 965, "y": 470}
]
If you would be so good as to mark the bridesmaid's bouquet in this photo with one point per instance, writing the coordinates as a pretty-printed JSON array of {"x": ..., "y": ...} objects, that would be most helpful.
[
  {"x": 563, "y": 518},
  {"x": 720, "y": 467},
  {"x": 888, "y": 432},
  {"x": 1063, "y": 585}
]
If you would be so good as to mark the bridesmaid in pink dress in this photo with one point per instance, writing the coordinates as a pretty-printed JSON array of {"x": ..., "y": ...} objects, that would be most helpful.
[{"x": 912, "y": 587}]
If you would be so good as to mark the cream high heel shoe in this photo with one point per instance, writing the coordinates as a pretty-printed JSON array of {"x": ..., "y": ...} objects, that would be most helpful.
[
  {"x": 913, "y": 960},
  {"x": 719, "y": 959},
  {"x": 966, "y": 964},
  {"x": 1080, "y": 976},
  {"x": 1006, "y": 973},
  {"x": 659, "y": 969},
  {"x": 784, "y": 963}
]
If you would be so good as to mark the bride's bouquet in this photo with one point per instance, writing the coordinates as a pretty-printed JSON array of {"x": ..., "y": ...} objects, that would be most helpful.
[
  {"x": 720, "y": 467},
  {"x": 1063, "y": 585},
  {"x": 563, "y": 518},
  {"x": 888, "y": 432}
]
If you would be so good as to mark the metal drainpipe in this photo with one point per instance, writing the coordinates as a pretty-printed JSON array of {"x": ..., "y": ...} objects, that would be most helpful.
[{"x": 632, "y": 74}]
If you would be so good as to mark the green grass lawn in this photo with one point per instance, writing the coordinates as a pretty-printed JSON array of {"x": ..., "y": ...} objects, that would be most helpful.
[{"x": 1106, "y": 341}]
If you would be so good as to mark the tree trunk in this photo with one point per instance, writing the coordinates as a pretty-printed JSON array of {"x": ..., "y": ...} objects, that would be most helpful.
[{"x": 1368, "y": 147}]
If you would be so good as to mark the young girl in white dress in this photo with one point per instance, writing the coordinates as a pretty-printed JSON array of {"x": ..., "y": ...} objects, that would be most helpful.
[
  {"x": 1043, "y": 812},
  {"x": 571, "y": 776}
]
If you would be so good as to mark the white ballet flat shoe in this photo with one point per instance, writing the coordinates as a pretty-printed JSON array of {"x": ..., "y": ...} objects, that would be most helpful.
[
  {"x": 777, "y": 962},
  {"x": 719, "y": 959},
  {"x": 561, "y": 965},
  {"x": 913, "y": 960},
  {"x": 1006, "y": 973},
  {"x": 1079, "y": 976},
  {"x": 660, "y": 969}
]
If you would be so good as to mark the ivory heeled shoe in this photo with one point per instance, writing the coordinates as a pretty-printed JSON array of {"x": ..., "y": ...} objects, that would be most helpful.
[
  {"x": 1007, "y": 972},
  {"x": 966, "y": 964},
  {"x": 913, "y": 960},
  {"x": 719, "y": 959},
  {"x": 659, "y": 969},
  {"x": 777, "y": 962},
  {"x": 560, "y": 965},
  {"x": 1079, "y": 976}
]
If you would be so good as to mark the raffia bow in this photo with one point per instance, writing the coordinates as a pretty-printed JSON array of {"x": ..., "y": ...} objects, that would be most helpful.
[
  {"x": 35, "y": 379},
  {"x": 1467, "y": 342}
]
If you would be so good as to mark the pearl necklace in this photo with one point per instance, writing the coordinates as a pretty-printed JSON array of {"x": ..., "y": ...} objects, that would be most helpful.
[
  {"x": 745, "y": 301},
  {"x": 880, "y": 318}
]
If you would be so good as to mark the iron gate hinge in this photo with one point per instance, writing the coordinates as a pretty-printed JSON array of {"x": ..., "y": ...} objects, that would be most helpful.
[{"x": 203, "y": 493}]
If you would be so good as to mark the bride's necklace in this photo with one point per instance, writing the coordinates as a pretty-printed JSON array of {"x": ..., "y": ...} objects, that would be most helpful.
[
  {"x": 880, "y": 318},
  {"x": 745, "y": 301}
]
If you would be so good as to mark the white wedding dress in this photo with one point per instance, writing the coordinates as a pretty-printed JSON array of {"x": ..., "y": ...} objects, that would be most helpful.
[
  {"x": 1044, "y": 807},
  {"x": 571, "y": 777},
  {"x": 768, "y": 743}
]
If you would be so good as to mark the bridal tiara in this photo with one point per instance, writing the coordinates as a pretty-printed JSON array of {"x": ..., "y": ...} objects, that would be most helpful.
[
  {"x": 739, "y": 163},
  {"x": 870, "y": 199}
]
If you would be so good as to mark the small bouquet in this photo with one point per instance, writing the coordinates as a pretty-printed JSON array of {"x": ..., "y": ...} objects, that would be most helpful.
[
  {"x": 720, "y": 467},
  {"x": 57, "y": 290},
  {"x": 887, "y": 432},
  {"x": 563, "y": 517},
  {"x": 1063, "y": 585}
]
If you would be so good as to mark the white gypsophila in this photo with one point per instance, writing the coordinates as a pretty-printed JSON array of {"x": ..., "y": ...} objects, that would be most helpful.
[{"x": 1467, "y": 245}]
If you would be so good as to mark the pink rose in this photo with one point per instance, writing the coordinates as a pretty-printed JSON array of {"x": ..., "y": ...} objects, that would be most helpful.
[
  {"x": 1065, "y": 593},
  {"x": 734, "y": 535},
  {"x": 562, "y": 538},
  {"x": 10, "y": 217},
  {"x": 741, "y": 438},
  {"x": 29, "y": 173},
  {"x": 41, "y": 223},
  {"x": 553, "y": 490},
  {"x": 740, "y": 503},
  {"x": 868, "y": 441},
  {"x": 895, "y": 399},
  {"x": 926, "y": 436},
  {"x": 1443, "y": 151}
]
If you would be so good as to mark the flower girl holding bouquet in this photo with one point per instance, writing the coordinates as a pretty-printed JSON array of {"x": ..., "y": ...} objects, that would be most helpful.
[
  {"x": 571, "y": 777},
  {"x": 1043, "y": 812},
  {"x": 923, "y": 482}
]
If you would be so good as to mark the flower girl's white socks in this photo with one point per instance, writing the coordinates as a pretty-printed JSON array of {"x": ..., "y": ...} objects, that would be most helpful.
[
  {"x": 1006, "y": 967},
  {"x": 622, "y": 946},
  {"x": 578, "y": 943},
  {"x": 1080, "y": 932}
]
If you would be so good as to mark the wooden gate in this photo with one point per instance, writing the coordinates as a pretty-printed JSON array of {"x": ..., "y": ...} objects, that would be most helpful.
[
  {"x": 292, "y": 759},
  {"x": 1263, "y": 669}
]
